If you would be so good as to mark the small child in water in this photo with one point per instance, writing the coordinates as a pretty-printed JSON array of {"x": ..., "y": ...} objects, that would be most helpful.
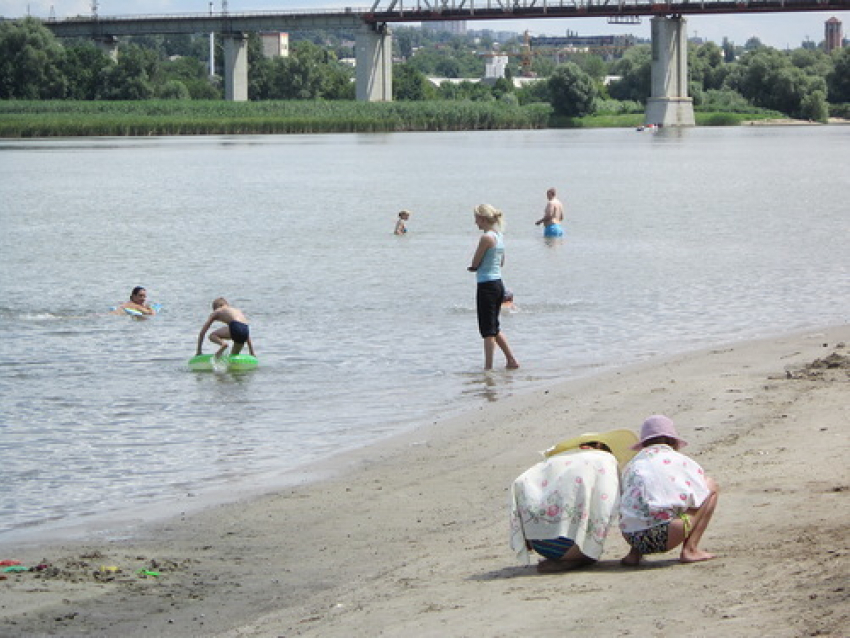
[
  {"x": 235, "y": 329},
  {"x": 400, "y": 228}
]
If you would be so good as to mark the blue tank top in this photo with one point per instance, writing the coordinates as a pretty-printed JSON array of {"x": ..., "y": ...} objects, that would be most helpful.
[{"x": 490, "y": 268}]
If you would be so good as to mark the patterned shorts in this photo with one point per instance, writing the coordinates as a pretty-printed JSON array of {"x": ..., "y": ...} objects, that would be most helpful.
[{"x": 649, "y": 541}]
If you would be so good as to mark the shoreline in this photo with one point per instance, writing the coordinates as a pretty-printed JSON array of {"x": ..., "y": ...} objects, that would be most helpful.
[
  {"x": 35, "y": 120},
  {"x": 409, "y": 536},
  {"x": 129, "y": 520}
]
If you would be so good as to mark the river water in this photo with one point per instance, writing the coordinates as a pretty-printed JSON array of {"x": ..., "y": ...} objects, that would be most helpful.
[{"x": 675, "y": 240}]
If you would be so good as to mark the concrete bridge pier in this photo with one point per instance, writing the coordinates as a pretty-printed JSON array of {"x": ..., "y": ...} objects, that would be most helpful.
[
  {"x": 669, "y": 104},
  {"x": 374, "y": 58},
  {"x": 236, "y": 67},
  {"x": 109, "y": 45}
]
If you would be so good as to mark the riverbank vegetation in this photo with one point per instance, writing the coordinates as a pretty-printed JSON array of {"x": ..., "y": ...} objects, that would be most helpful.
[
  {"x": 37, "y": 118},
  {"x": 162, "y": 86}
]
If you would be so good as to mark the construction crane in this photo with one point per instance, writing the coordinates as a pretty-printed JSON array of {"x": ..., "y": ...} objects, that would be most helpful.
[
  {"x": 525, "y": 55},
  {"x": 616, "y": 46}
]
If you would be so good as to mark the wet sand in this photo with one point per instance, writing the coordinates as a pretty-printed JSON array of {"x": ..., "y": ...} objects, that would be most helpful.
[{"x": 410, "y": 537}]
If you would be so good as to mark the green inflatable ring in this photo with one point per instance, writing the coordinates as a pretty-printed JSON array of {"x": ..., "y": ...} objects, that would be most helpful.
[{"x": 239, "y": 362}]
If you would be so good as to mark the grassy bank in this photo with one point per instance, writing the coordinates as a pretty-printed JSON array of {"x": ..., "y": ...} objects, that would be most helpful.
[
  {"x": 23, "y": 119},
  {"x": 27, "y": 119}
]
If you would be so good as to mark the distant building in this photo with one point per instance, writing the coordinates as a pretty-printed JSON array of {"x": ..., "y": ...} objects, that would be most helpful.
[
  {"x": 275, "y": 45},
  {"x": 495, "y": 36},
  {"x": 457, "y": 27},
  {"x": 584, "y": 41},
  {"x": 833, "y": 36},
  {"x": 606, "y": 46},
  {"x": 495, "y": 66},
  {"x": 517, "y": 82}
]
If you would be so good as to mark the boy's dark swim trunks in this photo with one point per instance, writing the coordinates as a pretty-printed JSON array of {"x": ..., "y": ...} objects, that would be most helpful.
[{"x": 238, "y": 331}]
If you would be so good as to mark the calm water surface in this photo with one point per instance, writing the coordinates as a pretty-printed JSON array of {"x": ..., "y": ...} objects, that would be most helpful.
[{"x": 675, "y": 240}]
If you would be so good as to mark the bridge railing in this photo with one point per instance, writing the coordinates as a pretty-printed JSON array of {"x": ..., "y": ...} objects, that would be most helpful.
[
  {"x": 396, "y": 7},
  {"x": 210, "y": 14}
]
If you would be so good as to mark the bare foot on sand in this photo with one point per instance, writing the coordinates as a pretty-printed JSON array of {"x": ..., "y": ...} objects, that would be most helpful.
[
  {"x": 512, "y": 365},
  {"x": 632, "y": 559},
  {"x": 694, "y": 556},
  {"x": 549, "y": 566}
]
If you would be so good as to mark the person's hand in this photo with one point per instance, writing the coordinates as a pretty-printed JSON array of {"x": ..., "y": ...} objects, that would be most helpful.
[{"x": 472, "y": 269}]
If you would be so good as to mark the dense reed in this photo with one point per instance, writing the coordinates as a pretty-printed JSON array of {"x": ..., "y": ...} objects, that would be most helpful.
[{"x": 19, "y": 119}]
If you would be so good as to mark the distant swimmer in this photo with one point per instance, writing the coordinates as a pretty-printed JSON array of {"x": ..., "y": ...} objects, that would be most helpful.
[
  {"x": 138, "y": 303},
  {"x": 235, "y": 329},
  {"x": 553, "y": 215},
  {"x": 508, "y": 300},
  {"x": 400, "y": 227}
]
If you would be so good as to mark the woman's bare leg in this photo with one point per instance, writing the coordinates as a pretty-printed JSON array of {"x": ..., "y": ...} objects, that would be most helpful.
[
  {"x": 700, "y": 518},
  {"x": 512, "y": 363},
  {"x": 489, "y": 348}
]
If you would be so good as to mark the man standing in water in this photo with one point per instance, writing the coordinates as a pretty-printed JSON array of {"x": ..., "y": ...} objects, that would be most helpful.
[{"x": 553, "y": 215}]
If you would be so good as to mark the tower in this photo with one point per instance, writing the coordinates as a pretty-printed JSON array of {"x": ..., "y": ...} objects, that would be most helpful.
[{"x": 832, "y": 34}]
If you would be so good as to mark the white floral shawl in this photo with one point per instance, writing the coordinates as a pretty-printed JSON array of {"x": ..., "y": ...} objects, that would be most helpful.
[
  {"x": 573, "y": 494},
  {"x": 658, "y": 484}
]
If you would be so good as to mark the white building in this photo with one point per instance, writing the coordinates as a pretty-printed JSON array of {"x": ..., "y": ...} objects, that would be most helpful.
[{"x": 495, "y": 66}]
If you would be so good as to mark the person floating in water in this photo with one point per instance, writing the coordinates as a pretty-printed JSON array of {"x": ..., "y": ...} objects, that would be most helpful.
[
  {"x": 138, "y": 302},
  {"x": 235, "y": 329},
  {"x": 553, "y": 215},
  {"x": 400, "y": 227}
]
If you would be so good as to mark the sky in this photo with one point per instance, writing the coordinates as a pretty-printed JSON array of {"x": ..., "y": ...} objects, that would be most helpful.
[{"x": 782, "y": 31}]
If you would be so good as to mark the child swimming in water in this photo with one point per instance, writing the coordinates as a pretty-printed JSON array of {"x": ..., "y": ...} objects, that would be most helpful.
[
  {"x": 400, "y": 228},
  {"x": 235, "y": 329}
]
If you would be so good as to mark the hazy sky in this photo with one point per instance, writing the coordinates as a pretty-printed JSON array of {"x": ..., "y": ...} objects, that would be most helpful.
[{"x": 777, "y": 30}]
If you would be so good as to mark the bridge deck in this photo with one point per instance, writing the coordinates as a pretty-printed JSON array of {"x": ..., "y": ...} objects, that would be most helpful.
[
  {"x": 423, "y": 10},
  {"x": 386, "y": 11}
]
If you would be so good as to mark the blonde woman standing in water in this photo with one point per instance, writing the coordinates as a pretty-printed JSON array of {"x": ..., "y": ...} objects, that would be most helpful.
[{"x": 487, "y": 265}]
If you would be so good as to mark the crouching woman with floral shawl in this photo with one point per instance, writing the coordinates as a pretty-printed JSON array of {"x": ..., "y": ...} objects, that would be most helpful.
[
  {"x": 667, "y": 500},
  {"x": 563, "y": 507}
]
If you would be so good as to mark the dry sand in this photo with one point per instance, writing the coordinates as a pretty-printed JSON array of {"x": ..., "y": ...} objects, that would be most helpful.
[{"x": 410, "y": 538}]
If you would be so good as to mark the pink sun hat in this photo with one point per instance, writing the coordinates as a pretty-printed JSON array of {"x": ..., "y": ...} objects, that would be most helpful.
[{"x": 658, "y": 425}]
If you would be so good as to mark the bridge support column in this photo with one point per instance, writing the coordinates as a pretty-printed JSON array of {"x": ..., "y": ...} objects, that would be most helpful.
[
  {"x": 236, "y": 67},
  {"x": 669, "y": 104},
  {"x": 109, "y": 45},
  {"x": 374, "y": 72}
]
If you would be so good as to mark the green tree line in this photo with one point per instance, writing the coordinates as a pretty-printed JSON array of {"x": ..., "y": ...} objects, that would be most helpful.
[{"x": 803, "y": 83}]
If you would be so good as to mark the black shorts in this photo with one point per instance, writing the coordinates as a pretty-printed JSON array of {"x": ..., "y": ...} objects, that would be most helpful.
[
  {"x": 238, "y": 331},
  {"x": 488, "y": 301}
]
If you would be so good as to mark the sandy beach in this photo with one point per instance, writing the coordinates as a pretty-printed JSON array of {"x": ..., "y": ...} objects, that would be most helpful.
[{"x": 410, "y": 538}]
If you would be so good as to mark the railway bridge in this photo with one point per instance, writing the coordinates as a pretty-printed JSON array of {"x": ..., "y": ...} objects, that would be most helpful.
[{"x": 668, "y": 103}]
